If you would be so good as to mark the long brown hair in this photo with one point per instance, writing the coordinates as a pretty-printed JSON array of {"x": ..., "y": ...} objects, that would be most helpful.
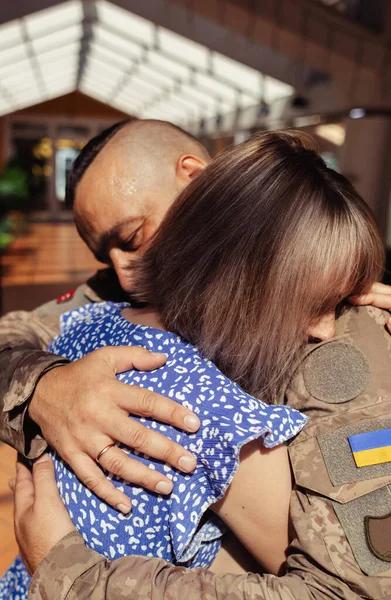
[{"x": 263, "y": 242}]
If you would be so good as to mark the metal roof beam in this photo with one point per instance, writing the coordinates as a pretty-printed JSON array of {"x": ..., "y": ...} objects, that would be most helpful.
[
  {"x": 89, "y": 16},
  {"x": 179, "y": 60},
  {"x": 33, "y": 59},
  {"x": 218, "y": 37}
]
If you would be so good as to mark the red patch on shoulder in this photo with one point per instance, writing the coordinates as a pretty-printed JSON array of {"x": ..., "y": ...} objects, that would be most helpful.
[{"x": 66, "y": 297}]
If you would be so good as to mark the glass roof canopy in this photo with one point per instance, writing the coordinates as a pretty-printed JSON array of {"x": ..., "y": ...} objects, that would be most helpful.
[{"x": 124, "y": 61}]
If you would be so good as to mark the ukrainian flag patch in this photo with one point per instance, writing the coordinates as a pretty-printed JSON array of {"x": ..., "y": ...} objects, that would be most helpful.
[{"x": 371, "y": 448}]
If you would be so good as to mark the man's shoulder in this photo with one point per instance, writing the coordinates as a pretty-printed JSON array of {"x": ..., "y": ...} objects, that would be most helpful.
[
  {"x": 338, "y": 370},
  {"x": 365, "y": 328},
  {"x": 100, "y": 287},
  {"x": 367, "y": 317},
  {"x": 68, "y": 301}
]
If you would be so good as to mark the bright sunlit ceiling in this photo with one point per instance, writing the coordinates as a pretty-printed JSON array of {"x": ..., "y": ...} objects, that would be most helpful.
[{"x": 124, "y": 61}]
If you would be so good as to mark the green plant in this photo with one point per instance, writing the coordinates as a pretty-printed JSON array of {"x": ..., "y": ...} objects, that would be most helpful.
[
  {"x": 13, "y": 189},
  {"x": 5, "y": 235},
  {"x": 13, "y": 195}
]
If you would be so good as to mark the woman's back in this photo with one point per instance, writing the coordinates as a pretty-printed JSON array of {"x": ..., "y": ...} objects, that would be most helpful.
[{"x": 169, "y": 527}]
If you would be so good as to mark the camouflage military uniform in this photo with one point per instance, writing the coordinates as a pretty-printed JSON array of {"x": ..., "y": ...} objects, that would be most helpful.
[
  {"x": 23, "y": 360},
  {"x": 340, "y": 512}
]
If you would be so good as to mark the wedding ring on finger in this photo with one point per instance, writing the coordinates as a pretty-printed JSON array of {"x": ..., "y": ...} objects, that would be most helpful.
[{"x": 103, "y": 451}]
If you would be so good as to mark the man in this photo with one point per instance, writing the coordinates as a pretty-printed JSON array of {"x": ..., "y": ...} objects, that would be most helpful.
[
  {"x": 76, "y": 550},
  {"x": 340, "y": 504},
  {"x": 121, "y": 186}
]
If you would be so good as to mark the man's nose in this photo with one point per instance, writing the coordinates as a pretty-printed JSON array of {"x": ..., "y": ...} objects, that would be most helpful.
[
  {"x": 122, "y": 266},
  {"x": 324, "y": 328}
]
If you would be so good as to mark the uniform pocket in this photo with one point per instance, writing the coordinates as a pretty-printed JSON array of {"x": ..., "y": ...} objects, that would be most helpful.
[
  {"x": 324, "y": 466},
  {"x": 366, "y": 522},
  {"x": 339, "y": 457}
]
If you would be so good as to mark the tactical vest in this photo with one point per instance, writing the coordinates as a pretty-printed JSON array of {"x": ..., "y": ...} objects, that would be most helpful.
[{"x": 341, "y": 461}]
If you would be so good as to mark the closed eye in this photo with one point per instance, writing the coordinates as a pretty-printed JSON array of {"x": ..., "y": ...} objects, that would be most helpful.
[{"x": 129, "y": 244}]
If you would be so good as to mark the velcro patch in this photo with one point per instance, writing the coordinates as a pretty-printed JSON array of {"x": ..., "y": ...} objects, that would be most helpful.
[
  {"x": 378, "y": 532},
  {"x": 352, "y": 517},
  {"x": 338, "y": 455},
  {"x": 371, "y": 447},
  {"x": 336, "y": 372}
]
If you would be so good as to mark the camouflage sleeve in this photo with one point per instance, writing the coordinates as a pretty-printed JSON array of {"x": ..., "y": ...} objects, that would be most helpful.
[
  {"x": 23, "y": 360},
  {"x": 71, "y": 571}
]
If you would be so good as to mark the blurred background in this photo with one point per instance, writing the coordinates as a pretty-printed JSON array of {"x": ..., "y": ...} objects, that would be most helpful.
[{"x": 221, "y": 69}]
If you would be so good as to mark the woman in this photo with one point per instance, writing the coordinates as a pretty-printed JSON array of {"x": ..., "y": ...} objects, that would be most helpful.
[{"x": 266, "y": 221}]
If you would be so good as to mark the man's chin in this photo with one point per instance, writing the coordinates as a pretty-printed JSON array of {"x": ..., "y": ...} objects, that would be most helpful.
[
  {"x": 136, "y": 302},
  {"x": 133, "y": 296},
  {"x": 128, "y": 287}
]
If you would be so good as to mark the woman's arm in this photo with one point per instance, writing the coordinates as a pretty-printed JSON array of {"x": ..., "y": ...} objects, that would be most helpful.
[
  {"x": 71, "y": 571},
  {"x": 256, "y": 506}
]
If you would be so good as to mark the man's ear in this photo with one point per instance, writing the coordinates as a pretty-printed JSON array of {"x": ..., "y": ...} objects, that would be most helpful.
[{"x": 188, "y": 166}]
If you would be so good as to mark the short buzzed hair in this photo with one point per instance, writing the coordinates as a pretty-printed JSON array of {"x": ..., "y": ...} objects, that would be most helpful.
[
  {"x": 86, "y": 157},
  {"x": 91, "y": 150}
]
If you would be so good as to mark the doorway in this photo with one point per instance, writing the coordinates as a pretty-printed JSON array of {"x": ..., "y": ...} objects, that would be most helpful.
[{"x": 45, "y": 148}]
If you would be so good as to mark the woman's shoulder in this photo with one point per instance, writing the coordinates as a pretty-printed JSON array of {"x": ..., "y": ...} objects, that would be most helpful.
[
  {"x": 92, "y": 326},
  {"x": 89, "y": 313},
  {"x": 187, "y": 375}
]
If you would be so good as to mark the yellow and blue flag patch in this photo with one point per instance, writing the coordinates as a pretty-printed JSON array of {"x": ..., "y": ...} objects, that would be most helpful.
[{"x": 371, "y": 448}]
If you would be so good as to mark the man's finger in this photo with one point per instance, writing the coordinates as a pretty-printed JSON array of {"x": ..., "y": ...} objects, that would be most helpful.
[
  {"x": 374, "y": 299},
  {"x": 93, "y": 477},
  {"x": 117, "y": 462},
  {"x": 362, "y": 300},
  {"x": 44, "y": 480},
  {"x": 125, "y": 358},
  {"x": 147, "y": 441},
  {"x": 381, "y": 288},
  {"x": 139, "y": 401},
  {"x": 144, "y": 403},
  {"x": 23, "y": 490}
]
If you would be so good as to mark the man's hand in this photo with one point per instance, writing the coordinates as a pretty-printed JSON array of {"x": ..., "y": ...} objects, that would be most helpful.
[
  {"x": 81, "y": 408},
  {"x": 379, "y": 295},
  {"x": 40, "y": 517}
]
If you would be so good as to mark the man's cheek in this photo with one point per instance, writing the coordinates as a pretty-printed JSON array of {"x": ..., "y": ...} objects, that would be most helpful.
[{"x": 127, "y": 280}]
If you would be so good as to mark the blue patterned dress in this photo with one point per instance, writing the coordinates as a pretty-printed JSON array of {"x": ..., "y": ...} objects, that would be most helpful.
[{"x": 178, "y": 528}]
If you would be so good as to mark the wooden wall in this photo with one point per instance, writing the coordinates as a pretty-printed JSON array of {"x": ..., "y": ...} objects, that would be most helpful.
[{"x": 72, "y": 105}]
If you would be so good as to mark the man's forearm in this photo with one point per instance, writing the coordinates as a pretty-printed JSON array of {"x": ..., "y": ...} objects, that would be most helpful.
[
  {"x": 71, "y": 571},
  {"x": 21, "y": 368},
  {"x": 24, "y": 336},
  {"x": 23, "y": 360}
]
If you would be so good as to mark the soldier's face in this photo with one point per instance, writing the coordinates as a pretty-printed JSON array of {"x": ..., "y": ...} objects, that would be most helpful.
[
  {"x": 323, "y": 329},
  {"x": 116, "y": 215}
]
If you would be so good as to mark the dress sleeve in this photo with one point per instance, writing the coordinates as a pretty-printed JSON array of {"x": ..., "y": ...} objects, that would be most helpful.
[{"x": 229, "y": 420}]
